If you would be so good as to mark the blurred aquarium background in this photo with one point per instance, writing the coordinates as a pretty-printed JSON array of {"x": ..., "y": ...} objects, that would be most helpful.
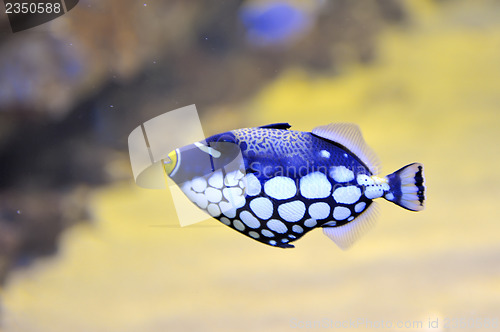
[{"x": 82, "y": 248}]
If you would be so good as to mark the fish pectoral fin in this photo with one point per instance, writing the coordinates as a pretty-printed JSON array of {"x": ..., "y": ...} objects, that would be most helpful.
[
  {"x": 344, "y": 236},
  {"x": 349, "y": 136},
  {"x": 281, "y": 125}
]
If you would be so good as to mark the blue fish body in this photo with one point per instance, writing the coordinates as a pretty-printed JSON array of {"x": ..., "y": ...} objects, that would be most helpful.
[{"x": 274, "y": 185}]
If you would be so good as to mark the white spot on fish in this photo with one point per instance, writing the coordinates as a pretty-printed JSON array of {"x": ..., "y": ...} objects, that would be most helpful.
[
  {"x": 330, "y": 223},
  {"x": 231, "y": 179},
  {"x": 225, "y": 221},
  {"x": 341, "y": 213},
  {"x": 315, "y": 185},
  {"x": 253, "y": 234},
  {"x": 186, "y": 187},
  {"x": 285, "y": 240},
  {"x": 292, "y": 211},
  {"x": 272, "y": 242},
  {"x": 262, "y": 207},
  {"x": 213, "y": 195},
  {"x": 324, "y": 154},
  {"x": 347, "y": 195},
  {"x": 359, "y": 207},
  {"x": 297, "y": 229},
  {"x": 227, "y": 209},
  {"x": 216, "y": 179},
  {"x": 267, "y": 233},
  {"x": 345, "y": 155},
  {"x": 238, "y": 225},
  {"x": 253, "y": 185},
  {"x": 364, "y": 180},
  {"x": 199, "y": 184},
  {"x": 310, "y": 223},
  {"x": 291, "y": 236},
  {"x": 201, "y": 200},
  {"x": 277, "y": 226},
  {"x": 319, "y": 210},
  {"x": 198, "y": 199},
  {"x": 234, "y": 196},
  {"x": 389, "y": 196},
  {"x": 213, "y": 210},
  {"x": 341, "y": 174},
  {"x": 280, "y": 187},
  {"x": 249, "y": 220},
  {"x": 229, "y": 193},
  {"x": 351, "y": 218},
  {"x": 372, "y": 192},
  {"x": 191, "y": 195}
]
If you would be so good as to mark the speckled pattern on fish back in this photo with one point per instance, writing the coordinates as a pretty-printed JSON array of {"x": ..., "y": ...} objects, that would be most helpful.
[{"x": 274, "y": 142}]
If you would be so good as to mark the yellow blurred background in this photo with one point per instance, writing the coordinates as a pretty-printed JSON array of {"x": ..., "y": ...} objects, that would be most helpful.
[{"x": 431, "y": 94}]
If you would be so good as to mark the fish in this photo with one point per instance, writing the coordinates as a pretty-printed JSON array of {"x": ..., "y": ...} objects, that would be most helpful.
[{"x": 274, "y": 185}]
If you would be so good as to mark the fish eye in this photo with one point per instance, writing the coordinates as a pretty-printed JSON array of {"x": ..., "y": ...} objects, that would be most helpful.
[
  {"x": 226, "y": 139},
  {"x": 222, "y": 143},
  {"x": 219, "y": 140}
]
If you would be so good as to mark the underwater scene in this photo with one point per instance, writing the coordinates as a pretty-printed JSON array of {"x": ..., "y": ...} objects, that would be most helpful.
[{"x": 86, "y": 245}]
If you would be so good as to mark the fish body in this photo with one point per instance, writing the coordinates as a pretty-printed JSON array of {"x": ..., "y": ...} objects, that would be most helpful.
[{"x": 274, "y": 185}]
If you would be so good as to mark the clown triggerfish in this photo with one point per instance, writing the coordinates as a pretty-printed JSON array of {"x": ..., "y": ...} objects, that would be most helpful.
[{"x": 274, "y": 185}]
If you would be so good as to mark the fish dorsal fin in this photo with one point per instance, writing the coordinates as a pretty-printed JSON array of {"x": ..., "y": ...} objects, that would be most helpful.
[
  {"x": 281, "y": 125},
  {"x": 349, "y": 136},
  {"x": 344, "y": 236}
]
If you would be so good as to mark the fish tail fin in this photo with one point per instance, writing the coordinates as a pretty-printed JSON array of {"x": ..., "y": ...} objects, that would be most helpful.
[{"x": 407, "y": 187}]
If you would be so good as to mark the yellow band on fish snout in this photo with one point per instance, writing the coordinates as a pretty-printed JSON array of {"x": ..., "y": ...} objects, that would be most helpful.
[{"x": 169, "y": 165}]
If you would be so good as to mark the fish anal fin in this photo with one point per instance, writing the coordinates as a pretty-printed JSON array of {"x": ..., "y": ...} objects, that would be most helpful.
[
  {"x": 349, "y": 136},
  {"x": 281, "y": 125},
  {"x": 344, "y": 236}
]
